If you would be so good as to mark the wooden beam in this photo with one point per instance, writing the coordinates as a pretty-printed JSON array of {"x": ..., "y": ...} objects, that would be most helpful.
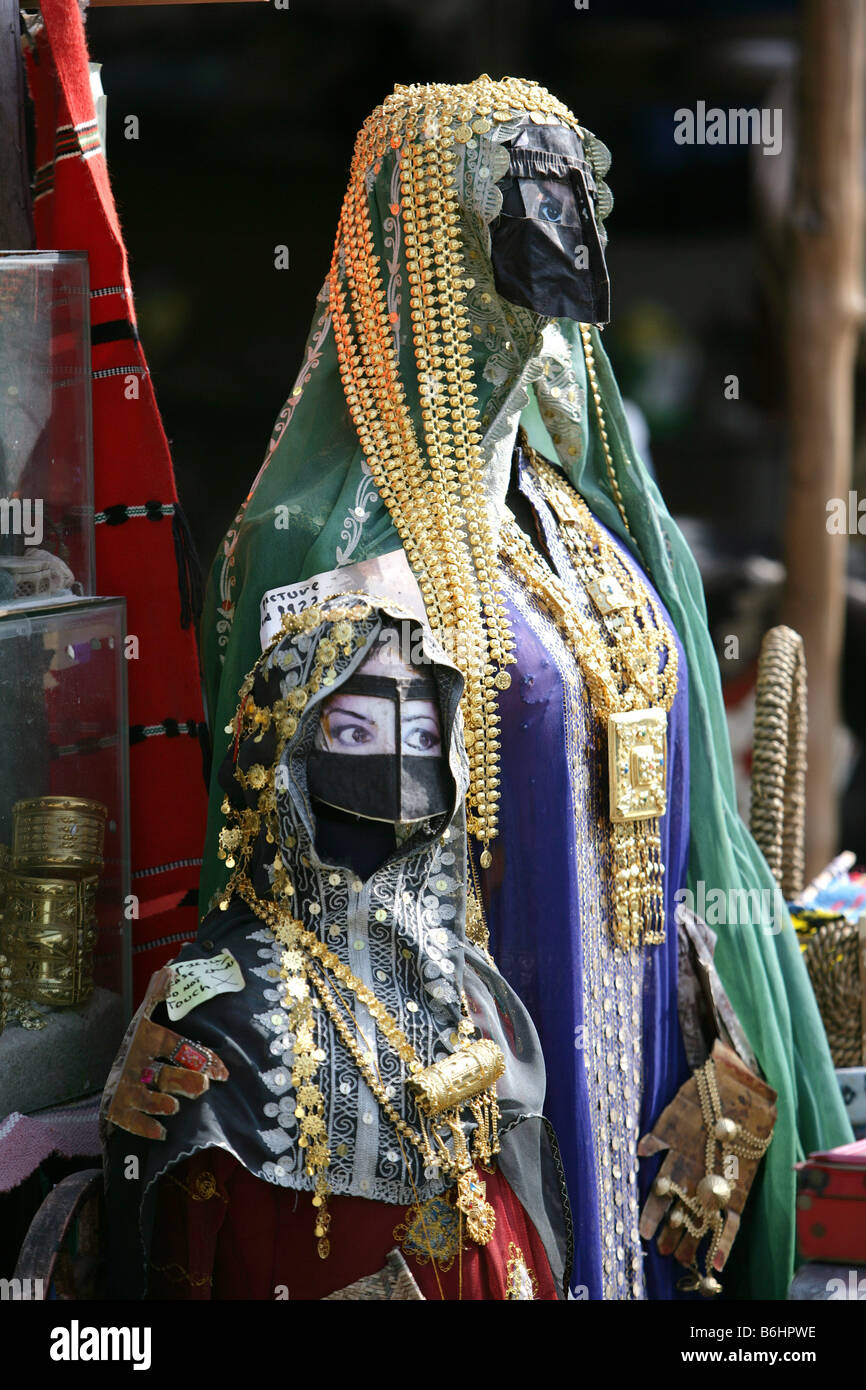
[{"x": 825, "y": 315}]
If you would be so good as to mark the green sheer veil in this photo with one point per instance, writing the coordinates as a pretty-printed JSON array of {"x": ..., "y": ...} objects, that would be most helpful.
[{"x": 314, "y": 508}]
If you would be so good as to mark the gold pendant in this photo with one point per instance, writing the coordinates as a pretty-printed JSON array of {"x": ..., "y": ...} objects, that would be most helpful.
[
  {"x": 637, "y": 762},
  {"x": 608, "y": 595},
  {"x": 446, "y": 1084},
  {"x": 471, "y": 1199}
]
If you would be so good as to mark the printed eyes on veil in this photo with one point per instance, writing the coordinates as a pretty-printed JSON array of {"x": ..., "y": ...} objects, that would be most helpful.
[
  {"x": 422, "y": 735},
  {"x": 345, "y": 733},
  {"x": 356, "y": 724},
  {"x": 550, "y": 210},
  {"x": 366, "y": 724}
]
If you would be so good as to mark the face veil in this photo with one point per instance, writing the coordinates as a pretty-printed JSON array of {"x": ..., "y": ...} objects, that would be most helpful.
[{"x": 389, "y": 441}]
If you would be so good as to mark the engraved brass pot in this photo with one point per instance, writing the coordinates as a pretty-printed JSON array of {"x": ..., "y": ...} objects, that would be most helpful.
[
  {"x": 63, "y": 833},
  {"x": 49, "y": 931}
]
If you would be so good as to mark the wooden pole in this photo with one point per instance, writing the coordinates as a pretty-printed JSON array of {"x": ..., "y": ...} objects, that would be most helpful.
[
  {"x": 825, "y": 315},
  {"x": 16, "y": 221}
]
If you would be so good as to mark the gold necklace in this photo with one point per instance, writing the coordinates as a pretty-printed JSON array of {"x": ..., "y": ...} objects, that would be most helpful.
[
  {"x": 465, "y": 1078},
  {"x": 618, "y": 650}
]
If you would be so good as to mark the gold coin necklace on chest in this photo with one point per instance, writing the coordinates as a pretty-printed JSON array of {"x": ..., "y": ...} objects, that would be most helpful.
[{"x": 618, "y": 644}]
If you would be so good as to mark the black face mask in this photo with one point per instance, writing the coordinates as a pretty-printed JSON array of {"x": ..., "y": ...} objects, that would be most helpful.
[
  {"x": 397, "y": 784},
  {"x": 546, "y": 249}
]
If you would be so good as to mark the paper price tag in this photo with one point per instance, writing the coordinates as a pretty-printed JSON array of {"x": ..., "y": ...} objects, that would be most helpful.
[{"x": 195, "y": 981}]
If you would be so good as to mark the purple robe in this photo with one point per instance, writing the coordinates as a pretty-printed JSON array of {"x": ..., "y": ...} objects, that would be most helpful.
[{"x": 607, "y": 1017}]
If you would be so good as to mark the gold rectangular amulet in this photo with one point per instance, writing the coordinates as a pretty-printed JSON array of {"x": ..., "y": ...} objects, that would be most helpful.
[{"x": 637, "y": 750}]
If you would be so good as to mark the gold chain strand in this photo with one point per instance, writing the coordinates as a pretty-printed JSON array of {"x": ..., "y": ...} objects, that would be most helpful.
[
  {"x": 437, "y": 589},
  {"x": 478, "y": 527},
  {"x": 424, "y": 314},
  {"x": 637, "y": 869},
  {"x": 436, "y": 500},
  {"x": 592, "y": 377},
  {"x": 379, "y": 421},
  {"x": 376, "y": 396},
  {"x": 472, "y": 518},
  {"x": 614, "y": 588},
  {"x": 304, "y": 951},
  {"x": 483, "y": 795}
]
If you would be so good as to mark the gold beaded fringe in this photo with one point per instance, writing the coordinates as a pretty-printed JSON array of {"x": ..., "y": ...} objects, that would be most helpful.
[{"x": 433, "y": 487}]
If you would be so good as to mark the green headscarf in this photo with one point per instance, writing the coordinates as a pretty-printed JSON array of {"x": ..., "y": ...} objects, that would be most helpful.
[{"x": 313, "y": 507}]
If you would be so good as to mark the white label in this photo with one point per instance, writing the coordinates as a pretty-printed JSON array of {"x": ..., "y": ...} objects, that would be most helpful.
[
  {"x": 194, "y": 981},
  {"x": 386, "y": 577}
]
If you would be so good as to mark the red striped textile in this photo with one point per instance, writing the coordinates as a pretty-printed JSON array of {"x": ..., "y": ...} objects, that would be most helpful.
[{"x": 141, "y": 549}]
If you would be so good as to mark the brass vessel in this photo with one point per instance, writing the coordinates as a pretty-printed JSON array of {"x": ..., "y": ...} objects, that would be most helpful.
[
  {"x": 61, "y": 833},
  {"x": 49, "y": 931}
]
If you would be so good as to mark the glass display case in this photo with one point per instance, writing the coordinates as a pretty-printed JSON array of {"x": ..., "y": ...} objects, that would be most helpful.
[
  {"x": 46, "y": 477},
  {"x": 66, "y": 914}
]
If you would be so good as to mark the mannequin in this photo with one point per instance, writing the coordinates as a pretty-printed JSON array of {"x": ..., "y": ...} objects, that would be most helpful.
[
  {"x": 456, "y": 427},
  {"x": 320, "y": 1034}
]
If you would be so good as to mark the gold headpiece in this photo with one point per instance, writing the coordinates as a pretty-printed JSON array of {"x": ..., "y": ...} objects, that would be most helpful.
[{"x": 432, "y": 486}]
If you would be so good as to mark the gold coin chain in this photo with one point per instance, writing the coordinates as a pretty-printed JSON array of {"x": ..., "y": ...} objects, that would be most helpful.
[
  {"x": 374, "y": 398},
  {"x": 592, "y": 377},
  {"x": 638, "y": 640},
  {"x": 438, "y": 508},
  {"x": 292, "y": 934},
  {"x": 609, "y": 691}
]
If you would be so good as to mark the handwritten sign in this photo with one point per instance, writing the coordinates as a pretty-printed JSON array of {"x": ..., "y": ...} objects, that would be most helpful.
[{"x": 195, "y": 981}]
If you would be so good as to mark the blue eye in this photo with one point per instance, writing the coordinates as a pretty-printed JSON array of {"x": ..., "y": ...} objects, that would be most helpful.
[{"x": 550, "y": 210}]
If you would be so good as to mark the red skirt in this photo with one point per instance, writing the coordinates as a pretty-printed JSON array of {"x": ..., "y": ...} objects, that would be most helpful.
[{"x": 222, "y": 1233}]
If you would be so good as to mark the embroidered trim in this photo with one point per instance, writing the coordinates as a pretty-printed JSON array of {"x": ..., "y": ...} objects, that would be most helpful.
[
  {"x": 353, "y": 524},
  {"x": 112, "y": 331},
  {"x": 121, "y": 511},
  {"x": 171, "y": 728},
  {"x": 119, "y": 371},
  {"x": 430, "y": 1232},
  {"x": 183, "y": 936},
  {"x": 76, "y": 139},
  {"x": 165, "y": 868},
  {"x": 522, "y": 1284},
  {"x": 43, "y": 181},
  {"x": 87, "y": 745}
]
